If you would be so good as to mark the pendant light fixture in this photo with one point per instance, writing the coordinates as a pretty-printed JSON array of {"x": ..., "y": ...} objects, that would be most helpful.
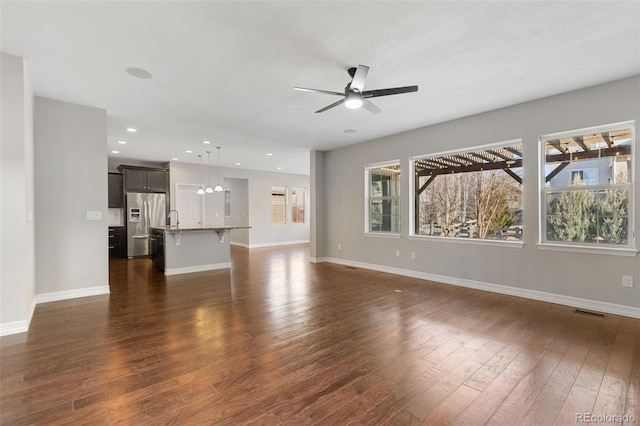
[
  {"x": 218, "y": 187},
  {"x": 200, "y": 191},
  {"x": 209, "y": 189}
]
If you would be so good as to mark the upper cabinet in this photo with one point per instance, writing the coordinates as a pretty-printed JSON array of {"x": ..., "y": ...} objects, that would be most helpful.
[
  {"x": 157, "y": 180},
  {"x": 116, "y": 198},
  {"x": 137, "y": 179}
]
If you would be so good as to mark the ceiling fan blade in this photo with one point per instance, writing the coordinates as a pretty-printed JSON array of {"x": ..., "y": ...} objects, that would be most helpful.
[
  {"x": 326, "y": 92},
  {"x": 387, "y": 92},
  {"x": 357, "y": 83},
  {"x": 370, "y": 106},
  {"x": 335, "y": 104}
]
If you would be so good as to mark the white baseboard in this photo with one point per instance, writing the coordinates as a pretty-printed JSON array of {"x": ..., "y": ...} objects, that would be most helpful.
[
  {"x": 278, "y": 243},
  {"x": 199, "y": 268},
  {"x": 594, "y": 305},
  {"x": 22, "y": 326},
  {"x": 71, "y": 294},
  {"x": 318, "y": 259},
  {"x": 237, "y": 243},
  {"x": 13, "y": 327}
]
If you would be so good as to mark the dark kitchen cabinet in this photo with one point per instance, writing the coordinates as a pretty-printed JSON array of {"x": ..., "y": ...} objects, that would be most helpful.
[
  {"x": 139, "y": 179},
  {"x": 116, "y": 198},
  {"x": 117, "y": 242},
  {"x": 156, "y": 248},
  {"x": 157, "y": 181},
  {"x": 135, "y": 180}
]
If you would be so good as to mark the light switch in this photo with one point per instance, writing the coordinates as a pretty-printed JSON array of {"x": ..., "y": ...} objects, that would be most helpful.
[{"x": 94, "y": 215}]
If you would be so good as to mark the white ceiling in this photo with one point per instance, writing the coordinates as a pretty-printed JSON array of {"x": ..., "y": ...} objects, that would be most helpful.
[{"x": 225, "y": 71}]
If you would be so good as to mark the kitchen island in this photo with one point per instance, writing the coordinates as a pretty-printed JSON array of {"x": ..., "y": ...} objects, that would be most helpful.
[{"x": 181, "y": 250}]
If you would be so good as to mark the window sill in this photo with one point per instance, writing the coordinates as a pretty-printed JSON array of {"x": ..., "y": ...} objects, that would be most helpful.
[
  {"x": 613, "y": 251},
  {"x": 472, "y": 241},
  {"x": 382, "y": 234}
]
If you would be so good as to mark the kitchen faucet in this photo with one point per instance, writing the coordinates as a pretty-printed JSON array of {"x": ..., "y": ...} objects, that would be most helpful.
[{"x": 177, "y": 218}]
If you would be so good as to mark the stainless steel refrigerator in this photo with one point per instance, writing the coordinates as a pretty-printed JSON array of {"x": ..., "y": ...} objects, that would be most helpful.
[{"x": 143, "y": 212}]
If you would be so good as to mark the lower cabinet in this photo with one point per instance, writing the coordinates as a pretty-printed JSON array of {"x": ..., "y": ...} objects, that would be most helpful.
[
  {"x": 156, "y": 248},
  {"x": 117, "y": 242}
]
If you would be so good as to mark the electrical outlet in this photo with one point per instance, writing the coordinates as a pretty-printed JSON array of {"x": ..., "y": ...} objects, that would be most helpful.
[
  {"x": 397, "y": 253},
  {"x": 339, "y": 246},
  {"x": 627, "y": 281},
  {"x": 413, "y": 255}
]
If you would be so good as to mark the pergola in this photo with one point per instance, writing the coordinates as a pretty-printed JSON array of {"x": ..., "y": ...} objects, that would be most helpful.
[
  {"x": 505, "y": 159},
  {"x": 558, "y": 151}
]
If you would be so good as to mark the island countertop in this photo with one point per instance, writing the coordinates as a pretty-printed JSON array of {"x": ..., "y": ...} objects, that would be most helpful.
[{"x": 217, "y": 228}]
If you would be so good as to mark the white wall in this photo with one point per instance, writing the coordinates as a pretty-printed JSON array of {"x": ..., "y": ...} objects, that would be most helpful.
[
  {"x": 240, "y": 214},
  {"x": 262, "y": 232},
  {"x": 70, "y": 180},
  {"x": 570, "y": 275},
  {"x": 16, "y": 202}
]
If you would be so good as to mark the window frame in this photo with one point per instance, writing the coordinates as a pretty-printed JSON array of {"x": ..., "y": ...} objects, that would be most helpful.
[
  {"x": 459, "y": 240},
  {"x": 286, "y": 193},
  {"x": 227, "y": 203},
  {"x": 367, "y": 199},
  {"x": 629, "y": 249},
  {"x": 293, "y": 205}
]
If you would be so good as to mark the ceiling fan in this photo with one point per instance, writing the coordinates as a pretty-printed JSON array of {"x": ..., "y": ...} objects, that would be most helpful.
[{"x": 354, "y": 97}]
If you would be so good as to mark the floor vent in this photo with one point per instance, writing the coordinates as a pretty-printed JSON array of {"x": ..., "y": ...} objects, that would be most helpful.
[
  {"x": 351, "y": 267},
  {"x": 591, "y": 314}
]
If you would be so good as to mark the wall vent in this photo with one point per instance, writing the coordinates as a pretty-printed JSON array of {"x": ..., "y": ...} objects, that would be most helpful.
[{"x": 591, "y": 314}]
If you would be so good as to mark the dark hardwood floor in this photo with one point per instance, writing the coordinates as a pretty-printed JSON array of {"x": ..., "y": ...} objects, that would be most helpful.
[{"x": 279, "y": 340}]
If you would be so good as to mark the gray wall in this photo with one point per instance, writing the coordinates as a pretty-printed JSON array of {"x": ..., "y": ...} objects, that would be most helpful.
[
  {"x": 259, "y": 186},
  {"x": 239, "y": 193},
  {"x": 317, "y": 206},
  {"x": 70, "y": 180},
  {"x": 17, "y": 254},
  {"x": 581, "y": 275}
]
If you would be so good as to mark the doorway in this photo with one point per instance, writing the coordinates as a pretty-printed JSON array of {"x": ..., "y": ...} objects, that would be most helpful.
[{"x": 189, "y": 204}]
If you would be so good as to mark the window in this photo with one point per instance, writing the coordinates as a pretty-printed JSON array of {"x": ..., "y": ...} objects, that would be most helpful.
[
  {"x": 227, "y": 203},
  {"x": 587, "y": 187},
  {"x": 278, "y": 205},
  {"x": 471, "y": 194},
  {"x": 297, "y": 205},
  {"x": 383, "y": 198}
]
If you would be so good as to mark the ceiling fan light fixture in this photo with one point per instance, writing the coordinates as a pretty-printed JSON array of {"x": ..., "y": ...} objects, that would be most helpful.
[{"x": 353, "y": 100}]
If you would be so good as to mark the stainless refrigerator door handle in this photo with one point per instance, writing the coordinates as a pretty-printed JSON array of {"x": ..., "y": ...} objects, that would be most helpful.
[
  {"x": 148, "y": 216},
  {"x": 145, "y": 224}
]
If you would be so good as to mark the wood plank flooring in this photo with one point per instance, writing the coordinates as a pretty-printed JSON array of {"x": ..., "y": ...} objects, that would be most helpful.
[{"x": 279, "y": 340}]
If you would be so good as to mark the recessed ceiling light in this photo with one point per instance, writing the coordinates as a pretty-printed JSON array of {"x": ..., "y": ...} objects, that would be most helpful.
[
  {"x": 350, "y": 130},
  {"x": 206, "y": 142},
  {"x": 279, "y": 168},
  {"x": 139, "y": 72},
  {"x": 237, "y": 164},
  {"x": 174, "y": 159},
  {"x": 269, "y": 154},
  {"x": 115, "y": 152},
  {"x": 122, "y": 142},
  {"x": 188, "y": 151},
  {"x": 131, "y": 130}
]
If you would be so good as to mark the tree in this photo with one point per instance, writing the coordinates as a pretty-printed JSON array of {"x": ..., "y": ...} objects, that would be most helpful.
[
  {"x": 613, "y": 216},
  {"x": 491, "y": 192},
  {"x": 571, "y": 215}
]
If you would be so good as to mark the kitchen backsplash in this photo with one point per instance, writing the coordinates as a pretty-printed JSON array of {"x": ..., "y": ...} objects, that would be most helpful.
[{"x": 116, "y": 217}]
